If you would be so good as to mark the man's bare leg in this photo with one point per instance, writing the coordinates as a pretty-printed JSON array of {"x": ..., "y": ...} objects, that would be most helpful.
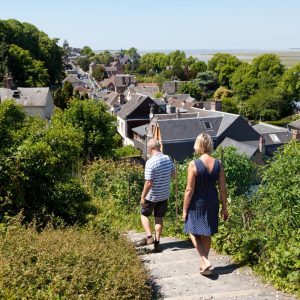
[{"x": 158, "y": 228}]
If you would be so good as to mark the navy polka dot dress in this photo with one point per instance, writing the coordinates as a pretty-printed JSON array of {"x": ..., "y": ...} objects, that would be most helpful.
[{"x": 202, "y": 217}]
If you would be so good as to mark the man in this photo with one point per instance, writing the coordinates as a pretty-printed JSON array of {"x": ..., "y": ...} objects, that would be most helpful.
[{"x": 158, "y": 172}]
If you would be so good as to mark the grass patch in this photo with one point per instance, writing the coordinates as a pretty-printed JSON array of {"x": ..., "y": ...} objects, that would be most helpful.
[{"x": 69, "y": 263}]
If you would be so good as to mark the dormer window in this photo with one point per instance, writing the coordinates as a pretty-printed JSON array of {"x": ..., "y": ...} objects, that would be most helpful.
[
  {"x": 16, "y": 94},
  {"x": 207, "y": 125}
]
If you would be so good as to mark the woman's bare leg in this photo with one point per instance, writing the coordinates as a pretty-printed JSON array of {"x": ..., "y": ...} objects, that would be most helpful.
[{"x": 202, "y": 245}]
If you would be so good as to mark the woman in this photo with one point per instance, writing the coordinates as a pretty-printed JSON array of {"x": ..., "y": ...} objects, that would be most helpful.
[{"x": 201, "y": 201}]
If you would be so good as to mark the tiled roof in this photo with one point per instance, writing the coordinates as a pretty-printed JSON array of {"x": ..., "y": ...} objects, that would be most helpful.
[{"x": 242, "y": 147}]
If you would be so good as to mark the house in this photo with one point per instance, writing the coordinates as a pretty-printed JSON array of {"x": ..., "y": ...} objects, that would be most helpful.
[
  {"x": 75, "y": 81},
  {"x": 110, "y": 71},
  {"x": 123, "y": 81},
  {"x": 251, "y": 151},
  {"x": 141, "y": 89},
  {"x": 135, "y": 113},
  {"x": 108, "y": 83},
  {"x": 117, "y": 64},
  {"x": 171, "y": 87},
  {"x": 112, "y": 99},
  {"x": 177, "y": 132},
  {"x": 272, "y": 137},
  {"x": 35, "y": 101},
  {"x": 118, "y": 83}
]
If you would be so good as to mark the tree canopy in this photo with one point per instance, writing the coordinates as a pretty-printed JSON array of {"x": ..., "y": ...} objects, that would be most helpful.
[{"x": 30, "y": 51}]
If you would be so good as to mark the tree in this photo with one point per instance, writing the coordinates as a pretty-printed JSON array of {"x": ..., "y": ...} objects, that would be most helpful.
[
  {"x": 12, "y": 119},
  {"x": 98, "y": 73},
  {"x": 3, "y": 59},
  {"x": 63, "y": 95},
  {"x": 264, "y": 103},
  {"x": 26, "y": 70},
  {"x": 268, "y": 69},
  {"x": 192, "y": 89},
  {"x": 223, "y": 65},
  {"x": 223, "y": 92},
  {"x": 87, "y": 51},
  {"x": 155, "y": 62},
  {"x": 97, "y": 125},
  {"x": 289, "y": 84},
  {"x": 244, "y": 82},
  {"x": 207, "y": 81},
  {"x": 84, "y": 63},
  {"x": 134, "y": 58},
  {"x": 195, "y": 68},
  {"x": 230, "y": 105},
  {"x": 40, "y": 46},
  {"x": 104, "y": 58}
]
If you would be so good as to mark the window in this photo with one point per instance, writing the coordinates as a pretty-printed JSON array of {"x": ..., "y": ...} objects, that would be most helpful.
[
  {"x": 207, "y": 125},
  {"x": 274, "y": 138}
]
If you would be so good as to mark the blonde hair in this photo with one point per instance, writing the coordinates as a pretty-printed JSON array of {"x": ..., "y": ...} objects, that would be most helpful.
[
  {"x": 203, "y": 144},
  {"x": 154, "y": 144}
]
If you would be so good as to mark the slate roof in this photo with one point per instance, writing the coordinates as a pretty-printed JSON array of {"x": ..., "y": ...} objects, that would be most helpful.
[
  {"x": 73, "y": 79},
  {"x": 273, "y": 134},
  {"x": 111, "y": 98},
  {"x": 141, "y": 130},
  {"x": 295, "y": 124},
  {"x": 181, "y": 97},
  {"x": 146, "y": 90},
  {"x": 27, "y": 96},
  {"x": 242, "y": 147},
  {"x": 131, "y": 105},
  {"x": 107, "y": 81},
  {"x": 183, "y": 129},
  {"x": 268, "y": 128},
  {"x": 283, "y": 138},
  {"x": 218, "y": 121}
]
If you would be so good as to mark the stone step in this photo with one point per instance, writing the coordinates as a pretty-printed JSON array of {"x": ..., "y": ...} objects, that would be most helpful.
[{"x": 176, "y": 275}]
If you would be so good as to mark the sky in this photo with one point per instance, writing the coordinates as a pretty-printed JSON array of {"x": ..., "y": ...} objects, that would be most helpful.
[{"x": 164, "y": 24}]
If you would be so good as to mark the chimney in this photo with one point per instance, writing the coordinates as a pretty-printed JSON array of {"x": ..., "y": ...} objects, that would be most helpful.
[
  {"x": 121, "y": 99},
  {"x": 261, "y": 145},
  {"x": 177, "y": 113},
  {"x": 216, "y": 105},
  {"x": 8, "y": 82},
  {"x": 200, "y": 105},
  {"x": 295, "y": 135}
]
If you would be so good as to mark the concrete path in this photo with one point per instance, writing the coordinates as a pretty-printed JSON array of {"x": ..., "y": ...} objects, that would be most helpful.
[{"x": 175, "y": 274}]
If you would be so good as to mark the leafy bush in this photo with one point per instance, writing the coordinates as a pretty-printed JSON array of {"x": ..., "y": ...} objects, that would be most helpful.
[
  {"x": 37, "y": 163},
  {"x": 98, "y": 126},
  {"x": 116, "y": 187},
  {"x": 69, "y": 264},
  {"x": 263, "y": 229},
  {"x": 126, "y": 151}
]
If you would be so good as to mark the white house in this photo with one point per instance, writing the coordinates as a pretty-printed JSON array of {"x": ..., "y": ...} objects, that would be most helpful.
[{"x": 35, "y": 101}]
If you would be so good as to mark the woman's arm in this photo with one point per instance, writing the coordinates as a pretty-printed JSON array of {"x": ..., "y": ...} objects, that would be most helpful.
[
  {"x": 190, "y": 187},
  {"x": 223, "y": 192}
]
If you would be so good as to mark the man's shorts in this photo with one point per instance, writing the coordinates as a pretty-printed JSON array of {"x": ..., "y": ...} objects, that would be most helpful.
[{"x": 159, "y": 207}]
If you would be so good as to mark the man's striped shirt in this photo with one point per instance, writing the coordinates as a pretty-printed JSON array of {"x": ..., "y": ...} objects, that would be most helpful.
[{"x": 159, "y": 170}]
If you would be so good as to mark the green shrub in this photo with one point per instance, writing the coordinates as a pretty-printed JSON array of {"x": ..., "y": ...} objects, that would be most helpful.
[
  {"x": 126, "y": 151},
  {"x": 263, "y": 229},
  {"x": 69, "y": 264},
  {"x": 116, "y": 187},
  {"x": 37, "y": 163}
]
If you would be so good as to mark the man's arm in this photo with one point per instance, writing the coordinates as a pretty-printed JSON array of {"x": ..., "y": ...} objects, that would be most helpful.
[{"x": 146, "y": 189}]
